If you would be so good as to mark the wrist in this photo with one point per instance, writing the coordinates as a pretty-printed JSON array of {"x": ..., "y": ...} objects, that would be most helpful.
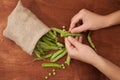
[
  {"x": 103, "y": 22},
  {"x": 100, "y": 62},
  {"x": 112, "y": 19},
  {"x": 106, "y": 21},
  {"x": 97, "y": 61}
]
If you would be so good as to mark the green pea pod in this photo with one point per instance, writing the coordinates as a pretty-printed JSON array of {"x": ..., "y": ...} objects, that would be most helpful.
[
  {"x": 55, "y": 33},
  {"x": 57, "y": 30},
  {"x": 69, "y": 34},
  {"x": 51, "y": 65},
  {"x": 48, "y": 42},
  {"x": 45, "y": 46},
  {"x": 59, "y": 44},
  {"x": 38, "y": 59},
  {"x": 48, "y": 55},
  {"x": 51, "y": 35},
  {"x": 40, "y": 50},
  {"x": 57, "y": 53},
  {"x": 37, "y": 54},
  {"x": 49, "y": 39},
  {"x": 59, "y": 56},
  {"x": 43, "y": 57},
  {"x": 90, "y": 41},
  {"x": 36, "y": 51},
  {"x": 64, "y": 33},
  {"x": 68, "y": 59}
]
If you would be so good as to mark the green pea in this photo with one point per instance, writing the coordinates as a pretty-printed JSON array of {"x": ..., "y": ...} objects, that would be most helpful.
[
  {"x": 53, "y": 70},
  {"x": 54, "y": 73},
  {"x": 46, "y": 77},
  {"x": 50, "y": 74}
]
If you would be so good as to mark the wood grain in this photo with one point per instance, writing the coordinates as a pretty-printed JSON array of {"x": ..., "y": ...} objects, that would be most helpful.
[{"x": 15, "y": 64}]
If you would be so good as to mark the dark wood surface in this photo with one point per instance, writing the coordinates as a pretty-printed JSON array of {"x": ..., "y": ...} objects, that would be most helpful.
[{"x": 15, "y": 64}]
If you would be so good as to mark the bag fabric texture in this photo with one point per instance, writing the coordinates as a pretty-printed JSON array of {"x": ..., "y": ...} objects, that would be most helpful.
[{"x": 24, "y": 28}]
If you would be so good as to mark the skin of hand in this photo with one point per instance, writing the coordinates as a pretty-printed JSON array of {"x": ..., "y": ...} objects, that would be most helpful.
[
  {"x": 84, "y": 53},
  {"x": 80, "y": 51},
  {"x": 93, "y": 21}
]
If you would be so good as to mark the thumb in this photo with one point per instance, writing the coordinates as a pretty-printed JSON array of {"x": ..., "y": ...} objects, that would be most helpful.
[
  {"x": 79, "y": 29},
  {"x": 74, "y": 42},
  {"x": 68, "y": 44}
]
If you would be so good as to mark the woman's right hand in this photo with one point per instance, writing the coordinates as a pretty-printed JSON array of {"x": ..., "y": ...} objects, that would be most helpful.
[{"x": 90, "y": 20}]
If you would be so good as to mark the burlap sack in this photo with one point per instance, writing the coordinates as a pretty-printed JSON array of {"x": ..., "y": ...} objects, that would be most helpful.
[{"x": 24, "y": 28}]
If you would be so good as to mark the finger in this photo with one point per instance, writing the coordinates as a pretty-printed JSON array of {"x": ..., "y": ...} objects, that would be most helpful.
[
  {"x": 70, "y": 48},
  {"x": 72, "y": 24},
  {"x": 77, "y": 38},
  {"x": 68, "y": 44},
  {"x": 79, "y": 29},
  {"x": 80, "y": 39},
  {"x": 74, "y": 20},
  {"x": 74, "y": 42}
]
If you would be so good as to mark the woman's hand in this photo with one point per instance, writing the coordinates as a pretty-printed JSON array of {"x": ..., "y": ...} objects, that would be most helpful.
[
  {"x": 80, "y": 51},
  {"x": 90, "y": 20},
  {"x": 84, "y": 53}
]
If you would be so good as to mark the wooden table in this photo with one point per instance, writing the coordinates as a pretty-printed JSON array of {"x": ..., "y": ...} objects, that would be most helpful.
[{"x": 15, "y": 64}]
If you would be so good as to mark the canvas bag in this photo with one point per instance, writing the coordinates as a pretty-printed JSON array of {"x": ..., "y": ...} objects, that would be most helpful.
[{"x": 24, "y": 28}]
